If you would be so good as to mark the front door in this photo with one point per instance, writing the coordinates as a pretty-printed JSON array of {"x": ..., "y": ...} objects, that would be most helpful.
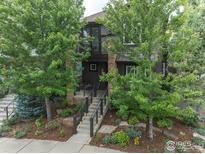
[{"x": 92, "y": 72}]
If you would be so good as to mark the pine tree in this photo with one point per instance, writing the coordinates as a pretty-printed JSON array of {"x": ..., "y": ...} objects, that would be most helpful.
[
  {"x": 38, "y": 42},
  {"x": 157, "y": 29}
]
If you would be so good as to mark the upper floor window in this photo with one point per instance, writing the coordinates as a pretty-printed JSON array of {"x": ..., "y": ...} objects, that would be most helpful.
[
  {"x": 95, "y": 33},
  {"x": 130, "y": 69},
  {"x": 126, "y": 39}
]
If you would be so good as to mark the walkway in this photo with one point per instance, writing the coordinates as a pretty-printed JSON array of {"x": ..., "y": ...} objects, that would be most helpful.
[{"x": 10, "y": 145}]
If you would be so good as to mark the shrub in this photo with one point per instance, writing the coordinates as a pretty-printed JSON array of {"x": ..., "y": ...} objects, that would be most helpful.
[
  {"x": 3, "y": 88},
  {"x": 106, "y": 140},
  {"x": 77, "y": 108},
  {"x": 139, "y": 115},
  {"x": 198, "y": 141},
  {"x": 4, "y": 129},
  {"x": 20, "y": 134},
  {"x": 38, "y": 132},
  {"x": 132, "y": 133},
  {"x": 13, "y": 120},
  {"x": 39, "y": 123},
  {"x": 66, "y": 113},
  {"x": 164, "y": 123},
  {"x": 121, "y": 138},
  {"x": 189, "y": 117},
  {"x": 200, "y": 131},
  {"x": 123, "y": 111},
  {"x": 133, "y": 120},
  {"x": 61, "y": 132},
  {"x": 52, "y": 125},
  {"x": 28, "y": 107}
]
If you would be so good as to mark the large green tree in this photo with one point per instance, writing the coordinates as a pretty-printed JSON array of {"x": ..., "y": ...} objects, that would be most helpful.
[
  {"x": 157, "y": 30},
  {"x": 38, "y": 42}
]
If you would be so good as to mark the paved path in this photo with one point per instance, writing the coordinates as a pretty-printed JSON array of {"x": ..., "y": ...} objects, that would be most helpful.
[{"x": 10, "y": 145}]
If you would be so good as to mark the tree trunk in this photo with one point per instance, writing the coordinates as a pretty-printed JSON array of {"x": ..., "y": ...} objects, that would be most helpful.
[
  {"x": 150, "y": 128},
  {"x": 48, "y": 109}
]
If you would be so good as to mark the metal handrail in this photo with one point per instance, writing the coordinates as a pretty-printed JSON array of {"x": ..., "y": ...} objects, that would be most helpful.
[
  {"x": 7, "y": 109},
  {"x": 84, "y": 109},
  {"x": 100, "y": 106}
]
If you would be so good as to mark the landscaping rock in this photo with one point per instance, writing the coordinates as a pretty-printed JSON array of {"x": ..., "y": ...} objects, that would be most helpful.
[
  {"x": 143, "y": 125},
  {"x": 68, "y": 122},
  {"x": 157, "y": 129},
  {"x": 59, "y": 111},
  {"x": 198, "y": 135},
  {"x": 170, "y": 134},
  {"x": 123, "y": 123},
  {"x": 182, "y": 133},
  {"x": 200, "y": 149},
  {"x": 107, "y": 129}
]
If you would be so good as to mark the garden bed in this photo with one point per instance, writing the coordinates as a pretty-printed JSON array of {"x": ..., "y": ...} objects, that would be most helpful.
[
  {"x": 61, "y": 128},
  {"x": 57, "y": 133},
  {"x": 183, "y": 132}
]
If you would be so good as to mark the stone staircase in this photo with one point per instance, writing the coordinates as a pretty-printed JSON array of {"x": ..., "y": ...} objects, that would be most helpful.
[
  {"x": 4, "y": 102},
  {"x": 83, "y": 129},
  {"x": 84, "y": 126}
]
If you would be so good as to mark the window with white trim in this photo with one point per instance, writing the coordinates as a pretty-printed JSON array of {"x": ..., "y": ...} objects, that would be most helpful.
[
  {"x": 130, "y": 69},
  {"x": 93, "y": 67}
]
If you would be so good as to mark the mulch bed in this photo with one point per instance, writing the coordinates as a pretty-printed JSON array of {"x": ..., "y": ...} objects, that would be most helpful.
[
  {"x": 30, "y": 129},
  {"x": 145, "y": 146}
]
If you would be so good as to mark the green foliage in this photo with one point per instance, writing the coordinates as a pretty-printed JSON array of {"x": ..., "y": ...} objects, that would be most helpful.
[
  {"x": 19, "y": 134},
  {"x": 61, "y": 132},
  {"x": 39, "y": 132},
  {"x": 3, "y": 88},
  {"x": 28, "y": 107},
  {"x": 121, "y": 138},
  {"x": 189, "y": 117},
  {"x": 200, "y": 131},
  {"x": 164, "y": 123},
  {"x": 78, "y": 107},
  {"x": 198, "y": 141},
  {"x": 51, "y": 125},
  {"x": 4, "y": 129},
  {"x": 38, "y": 45},
  {"x": 132, "y": 133},
  {"x": 11, "y": 121},
  {"x": 109, "y": 140},
  {"x": 160, "y": 37},
  {"x": 133, "y": 120},
  {"x": 39, "y": 123},
  {"x": 106, "y": 140},
  {"x": 66, "y": 113}
]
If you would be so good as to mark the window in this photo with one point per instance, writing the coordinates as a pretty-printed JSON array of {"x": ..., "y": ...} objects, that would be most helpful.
[
  {"x": 127, "y": 41},
  {"x": 93, "y": 67},
  {"x": 96, "y": 40},
  {"x": 130, "y": 69}
]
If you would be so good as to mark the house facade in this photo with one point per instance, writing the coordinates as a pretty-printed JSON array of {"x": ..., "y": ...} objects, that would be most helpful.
[{"x": 100, "y": 61}]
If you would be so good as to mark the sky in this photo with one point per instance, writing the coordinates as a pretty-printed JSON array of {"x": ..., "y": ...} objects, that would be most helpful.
[{"x": 94, "y": 6}]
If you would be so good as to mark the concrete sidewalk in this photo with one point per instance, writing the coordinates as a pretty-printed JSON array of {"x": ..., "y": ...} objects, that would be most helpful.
[{"x": 10, "y": 145}]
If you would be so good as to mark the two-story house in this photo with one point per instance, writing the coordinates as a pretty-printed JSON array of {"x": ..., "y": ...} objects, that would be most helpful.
[{"x": 100, "y": 60}]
